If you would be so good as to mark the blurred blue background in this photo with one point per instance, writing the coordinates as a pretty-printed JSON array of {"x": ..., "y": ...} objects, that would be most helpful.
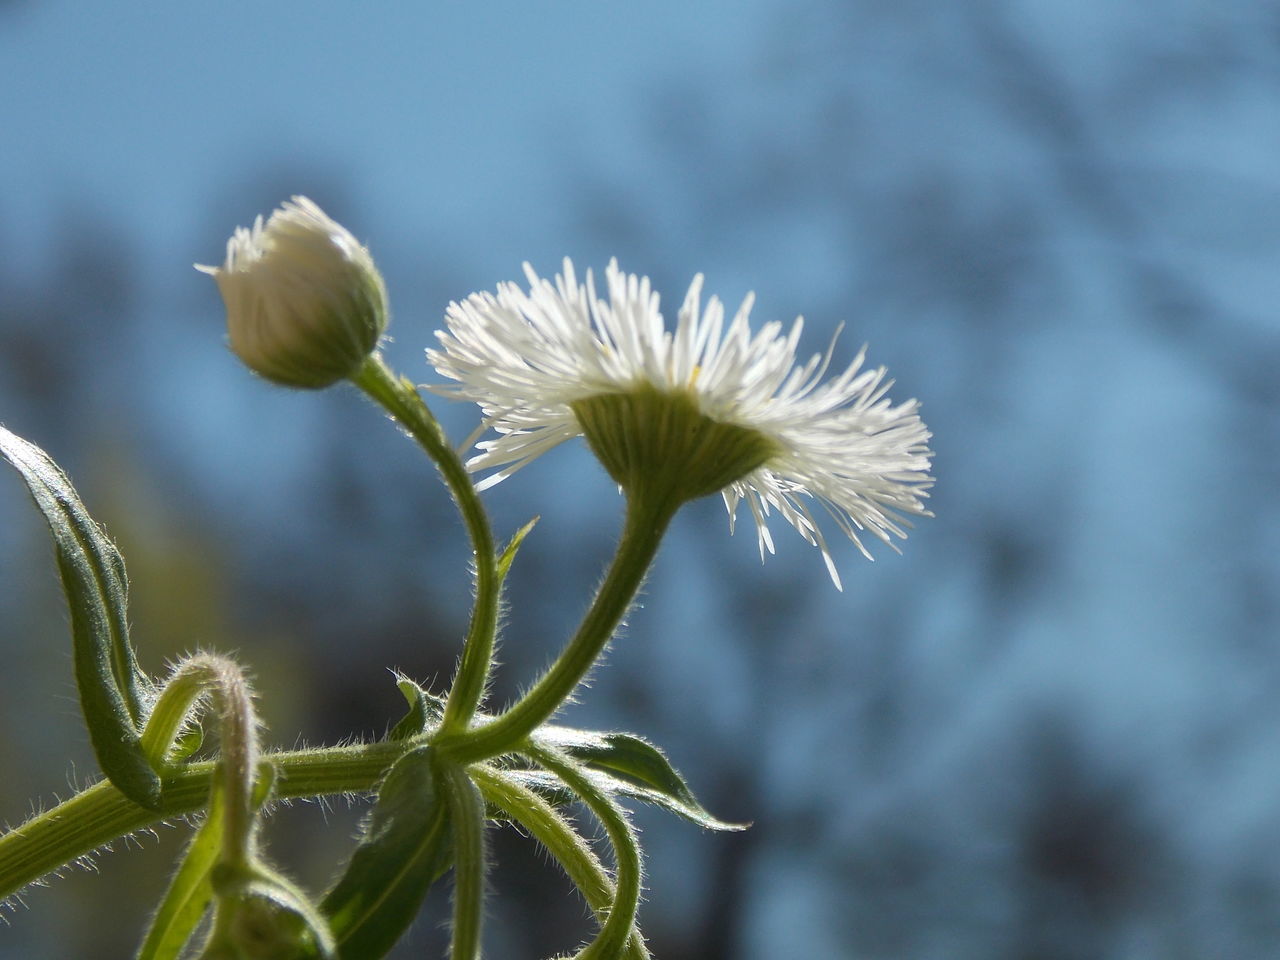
[{"x": 1050, "y": 729}]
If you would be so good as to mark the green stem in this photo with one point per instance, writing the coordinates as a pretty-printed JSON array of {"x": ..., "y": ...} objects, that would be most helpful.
[
  {"x": 101, "y": 813},
  {"x": 208, "y": 675},
  {"x": 467, "y": 817},
  {"x": 573, "y": 854},
  {"x": 400, "y": 399},
  {"x": 647, "y": 520},
  {"x": 170, "y": 714},
  {"x": 237, "y": 762},
  {"x": 620, "y": 922}
]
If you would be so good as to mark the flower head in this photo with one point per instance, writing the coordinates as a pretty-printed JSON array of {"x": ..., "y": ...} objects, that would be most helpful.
[
  {"x": 707, "y": 407},
  {"x": 305, "y": 303}
]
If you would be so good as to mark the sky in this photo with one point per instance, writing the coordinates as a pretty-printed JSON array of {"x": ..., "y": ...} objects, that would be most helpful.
[
  {"x": 438, "y": 114},
  {"x": 1047, "y": 729}
]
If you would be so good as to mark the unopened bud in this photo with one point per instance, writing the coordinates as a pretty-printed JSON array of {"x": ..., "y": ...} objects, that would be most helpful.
[
  {"x": 262, "y": 916},
  {"x": 305, "y": 303}
]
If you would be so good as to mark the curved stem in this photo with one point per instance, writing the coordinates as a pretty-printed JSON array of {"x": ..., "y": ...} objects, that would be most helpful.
[
  {"x": 646, "y": 521},
  {"x": 400, "y": 399},
  {"x": 207, "y": 675},
  {"x": 551, "y": 830},
  {"x": 613, "y": 936},
  {"x": 170, "y": 715}
]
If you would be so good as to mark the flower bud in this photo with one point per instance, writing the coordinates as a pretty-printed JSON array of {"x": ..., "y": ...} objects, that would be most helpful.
[
  {"x": 262, "y": 916},
  {"x": 305, "y": 303}
]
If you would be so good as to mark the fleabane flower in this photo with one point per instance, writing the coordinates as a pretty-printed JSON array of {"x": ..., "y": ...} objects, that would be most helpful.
[
  {"x": 305, "y": 303},
  {"x": 677, "y": 414}
]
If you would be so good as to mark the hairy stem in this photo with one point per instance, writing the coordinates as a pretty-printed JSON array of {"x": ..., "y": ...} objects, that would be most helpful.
[
  {"x": 400, "y": 399},
  {"x": 647, "y": 520},
  {"x": 573, "y": 854},
  {"x": 621, "y": 918},
  {"x": 203, "y": 676},
  {"x": 466, "y": 813},
  {"x": 101, "y": 813}
]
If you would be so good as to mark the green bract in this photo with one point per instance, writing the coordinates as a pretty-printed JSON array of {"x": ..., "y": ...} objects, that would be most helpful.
[{"x": 661, "y": 442}]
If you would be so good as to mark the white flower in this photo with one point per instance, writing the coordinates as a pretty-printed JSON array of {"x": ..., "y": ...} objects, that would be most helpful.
[
  {"x": 540, "y": 364},
  {"x": 305, "y": 303}
]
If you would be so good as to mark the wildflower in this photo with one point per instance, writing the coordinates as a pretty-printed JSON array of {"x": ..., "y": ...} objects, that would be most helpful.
[
  {"x": 305, "y": 303},
  {"x": 704, "y": 408}
]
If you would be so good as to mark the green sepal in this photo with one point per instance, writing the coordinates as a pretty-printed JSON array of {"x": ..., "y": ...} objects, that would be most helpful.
[
  {"x": 508, "y": 555},
  {"x": 622, "y": 763},
  {"x": 425, "y": 710},
  {"x": 264, "y": 916},
  {"x": 406, "y": 847},
  {"x": 114, "y": 692},
  {"x": 656, "y": 442},
  {"x": 189, "y": 892}
]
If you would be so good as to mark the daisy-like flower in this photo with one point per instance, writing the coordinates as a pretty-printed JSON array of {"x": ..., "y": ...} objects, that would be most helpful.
[
  {"x": 674, "y": 415},
  {"x": 305, "y": 303}
]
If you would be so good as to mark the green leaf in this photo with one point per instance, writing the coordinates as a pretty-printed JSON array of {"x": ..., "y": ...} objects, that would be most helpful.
[
  {"x": 406, "y": 847},
  {"x": 508, "y": 554},
  {"x": 113, "y": 690},
  {"x": 189, "y": 892},
  {"x": 425, "y": 710},
  {"x": 628, "y": 765}
]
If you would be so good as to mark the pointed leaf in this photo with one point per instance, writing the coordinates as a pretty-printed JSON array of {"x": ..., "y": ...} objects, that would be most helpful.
[
  {"x": 189, "y": 892},
  {"x": 629, "y": 758},
  {"x": 113, "y": 689},
  {"x": 687, "y": 807},
  {"x": 553, "y": 789},
  {"x": 508, "y": 554},
  {"x": 425, "y": 709},
  {"x": 631, "y": 766},
  {"x": 406, "y": 847}
]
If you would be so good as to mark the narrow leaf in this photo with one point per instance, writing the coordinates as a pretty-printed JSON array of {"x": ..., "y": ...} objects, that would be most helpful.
[
  {"x": 631, "y": 766},
  {"x": 406, "y": 847},
  {"x": 113, "y": 689},
  {"x": 508, "y": 554},
  {"x": 189, "y": 892},
  {"x": 425, "y": 710},
  {"x": 629, "y": 758}
]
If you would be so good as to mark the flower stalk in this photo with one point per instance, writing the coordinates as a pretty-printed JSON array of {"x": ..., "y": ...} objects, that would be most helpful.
[
  {"x": 401, "y": 400},
  {"x": 646, "y": 522}
]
